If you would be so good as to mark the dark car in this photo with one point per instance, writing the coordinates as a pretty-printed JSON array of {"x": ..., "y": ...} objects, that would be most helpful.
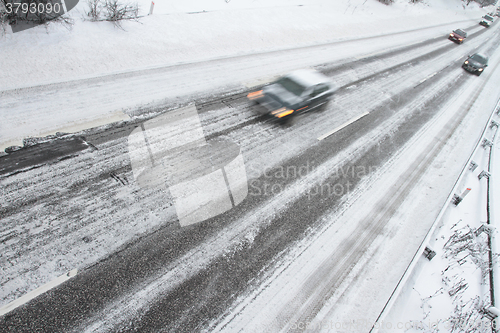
[
  {"x": 299, "y": 91},
  {"x": 487, "y": 20},
  {"x": 458, "y": 36},
  {"x": 475, "y": 63}
]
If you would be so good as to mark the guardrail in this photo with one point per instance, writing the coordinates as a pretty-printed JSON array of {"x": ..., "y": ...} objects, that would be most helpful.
[{"x": 494, "y": 238}]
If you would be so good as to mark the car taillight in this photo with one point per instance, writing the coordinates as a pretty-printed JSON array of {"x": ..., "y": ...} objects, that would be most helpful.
[
  {"x": 285, "y": 113},
  {"x": 256, "y": 94},
  {"x": 281, "y": 112}
]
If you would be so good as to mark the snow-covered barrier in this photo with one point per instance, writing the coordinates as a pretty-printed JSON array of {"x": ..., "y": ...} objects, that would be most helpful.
[{"x": 493, "y": 204}]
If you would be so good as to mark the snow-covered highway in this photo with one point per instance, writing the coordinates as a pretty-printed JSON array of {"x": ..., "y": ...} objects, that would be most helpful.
[{"x": 328, "y": 225}]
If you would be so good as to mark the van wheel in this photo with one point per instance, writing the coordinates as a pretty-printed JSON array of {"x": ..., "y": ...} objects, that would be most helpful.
[
  {"x": 323, "y": 106},
  {"x": 288, "y": 121}
]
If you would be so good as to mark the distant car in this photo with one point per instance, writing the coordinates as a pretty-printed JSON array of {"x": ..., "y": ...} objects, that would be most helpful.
[
  {"x": 458, "y": 36},
  {"x": 475, "y": 63},
  {"x": 299, "y": 91},
  {"x": 487, "y": 20}
]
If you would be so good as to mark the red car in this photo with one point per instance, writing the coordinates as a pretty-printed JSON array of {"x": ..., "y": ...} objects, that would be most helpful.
[{"x": 458, "y": 36}]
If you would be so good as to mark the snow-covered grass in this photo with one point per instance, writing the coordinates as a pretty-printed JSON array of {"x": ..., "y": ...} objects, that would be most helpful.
[{"x": 37, "y": 56}]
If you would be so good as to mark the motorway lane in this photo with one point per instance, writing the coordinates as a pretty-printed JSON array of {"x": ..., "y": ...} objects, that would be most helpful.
[{"x": 241, "y": 266}]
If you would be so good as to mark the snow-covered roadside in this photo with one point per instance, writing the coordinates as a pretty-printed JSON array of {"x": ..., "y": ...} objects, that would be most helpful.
[
  {"x": 449, "y": 292},
  {"x": 34, "y": 57},
  {"x": 494, "y": 203}
]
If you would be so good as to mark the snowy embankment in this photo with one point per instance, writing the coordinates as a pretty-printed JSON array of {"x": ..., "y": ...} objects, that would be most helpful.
[
  {"x": 192, "y": 33},
  {"x": 35, "y": 57}
]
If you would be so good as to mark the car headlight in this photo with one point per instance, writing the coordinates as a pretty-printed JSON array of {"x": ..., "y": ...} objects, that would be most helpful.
[
  {"x": 466, "y": 62},
  {"x": 480, "y": 69},
  {"x": 451, "y": 35},
  {"x": 460, "y": 39}
]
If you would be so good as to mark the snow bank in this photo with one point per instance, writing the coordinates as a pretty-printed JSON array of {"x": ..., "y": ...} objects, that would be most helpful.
[{"x": 183, "y": 32}]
